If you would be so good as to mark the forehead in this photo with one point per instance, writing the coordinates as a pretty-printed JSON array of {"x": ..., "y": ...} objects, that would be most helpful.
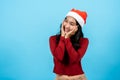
[{"x": 70, "y": 19}]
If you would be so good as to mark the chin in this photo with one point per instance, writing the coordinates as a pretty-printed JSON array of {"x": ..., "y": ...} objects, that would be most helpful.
[{"x": 66, "y": 31}]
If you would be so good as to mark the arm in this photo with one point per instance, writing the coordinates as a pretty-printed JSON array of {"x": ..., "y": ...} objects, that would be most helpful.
[
  {"x": 73, "y": 54},
  {"x": 57, "y": 49}
]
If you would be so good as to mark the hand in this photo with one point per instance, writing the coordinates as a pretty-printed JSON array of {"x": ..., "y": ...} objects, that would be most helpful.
[
  {"x": 72, "y": 32},
  {"x": 62, "y": 31}
]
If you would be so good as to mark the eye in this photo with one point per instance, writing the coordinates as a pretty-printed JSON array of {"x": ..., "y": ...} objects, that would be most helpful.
[{"x": 72, "y": 24}]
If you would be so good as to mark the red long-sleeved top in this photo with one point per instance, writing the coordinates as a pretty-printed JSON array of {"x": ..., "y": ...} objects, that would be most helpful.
[{"x": 74, "y": 67}]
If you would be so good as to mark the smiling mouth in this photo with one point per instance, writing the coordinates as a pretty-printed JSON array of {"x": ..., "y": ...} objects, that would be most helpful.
[{"x": 67, "y": 30}]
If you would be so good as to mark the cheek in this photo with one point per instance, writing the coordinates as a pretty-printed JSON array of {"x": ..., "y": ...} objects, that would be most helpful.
[
  {"x": 72, "y": 27},
  {"x": 64, "y": 23}
]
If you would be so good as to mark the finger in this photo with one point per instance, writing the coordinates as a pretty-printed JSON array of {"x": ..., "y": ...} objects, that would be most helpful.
[
  {"x": 73, "y": 31},
  {"x": 62, "y": 28},
  {"x": 75, "y": 28}
]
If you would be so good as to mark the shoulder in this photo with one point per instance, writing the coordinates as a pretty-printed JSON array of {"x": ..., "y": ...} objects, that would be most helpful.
[
  {"x": 53, "y": 37},
  {"x": 86, "y": 40}
]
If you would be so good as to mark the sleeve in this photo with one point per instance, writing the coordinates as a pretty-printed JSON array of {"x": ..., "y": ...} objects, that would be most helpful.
[
  {"x": 57, "y": 50},
  {"x": 73, "y": 54}
]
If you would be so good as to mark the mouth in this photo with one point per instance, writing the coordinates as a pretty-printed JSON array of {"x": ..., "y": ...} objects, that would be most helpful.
[{"x": 66, "y": 30}]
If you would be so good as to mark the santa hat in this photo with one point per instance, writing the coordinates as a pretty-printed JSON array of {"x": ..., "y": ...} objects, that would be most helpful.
[{"x": 80, "y": 16}]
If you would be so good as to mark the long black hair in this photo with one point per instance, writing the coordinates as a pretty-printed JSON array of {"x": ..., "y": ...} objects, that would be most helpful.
[{"x": 75, "y": 40}]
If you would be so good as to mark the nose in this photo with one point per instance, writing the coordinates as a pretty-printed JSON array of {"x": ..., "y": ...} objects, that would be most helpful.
[{"x": 67, "y": 25}]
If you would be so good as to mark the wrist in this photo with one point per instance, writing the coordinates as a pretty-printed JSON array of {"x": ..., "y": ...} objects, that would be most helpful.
[
  {"x": 66, "y": 36},
  {"x": 63, "y": 35}
]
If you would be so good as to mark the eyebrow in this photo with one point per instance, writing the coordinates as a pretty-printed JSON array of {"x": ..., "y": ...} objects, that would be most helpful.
[{"x": 70, "y": 21}]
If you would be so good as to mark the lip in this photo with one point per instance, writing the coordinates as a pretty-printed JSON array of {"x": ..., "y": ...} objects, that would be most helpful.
[{"x": 66, "y": 30}]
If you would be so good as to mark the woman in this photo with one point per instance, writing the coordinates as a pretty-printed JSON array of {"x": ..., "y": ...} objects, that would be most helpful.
[{"x": 69, "y": 46}]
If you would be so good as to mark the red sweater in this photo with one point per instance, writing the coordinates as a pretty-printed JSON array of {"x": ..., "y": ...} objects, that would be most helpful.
[{"x": 74, "y": 66}]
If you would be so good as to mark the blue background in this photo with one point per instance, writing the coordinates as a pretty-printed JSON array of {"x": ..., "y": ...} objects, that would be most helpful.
[{"x": 25, "y": 28}]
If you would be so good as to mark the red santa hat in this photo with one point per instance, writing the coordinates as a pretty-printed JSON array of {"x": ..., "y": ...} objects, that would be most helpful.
[{"x": 80, "y": 16}]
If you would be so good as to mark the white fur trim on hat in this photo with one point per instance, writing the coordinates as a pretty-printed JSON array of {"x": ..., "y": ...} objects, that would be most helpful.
[{"x": 77, "y": 17}]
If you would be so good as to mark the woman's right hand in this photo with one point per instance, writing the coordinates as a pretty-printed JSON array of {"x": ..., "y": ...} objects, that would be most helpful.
[{"x": 62, "y": 31}]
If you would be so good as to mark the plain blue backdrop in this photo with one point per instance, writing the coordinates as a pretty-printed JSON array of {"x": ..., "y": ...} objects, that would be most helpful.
[{"x": 25, "y": 28}]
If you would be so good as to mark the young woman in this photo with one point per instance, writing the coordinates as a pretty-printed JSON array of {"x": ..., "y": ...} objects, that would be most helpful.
[{"x": 69, "y": 46}]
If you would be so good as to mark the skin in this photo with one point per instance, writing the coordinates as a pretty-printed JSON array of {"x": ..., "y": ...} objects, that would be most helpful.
[{"x": 69, "y": 27}]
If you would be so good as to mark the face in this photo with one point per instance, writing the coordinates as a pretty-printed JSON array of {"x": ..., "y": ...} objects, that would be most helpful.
[{"x": 69, "y": 23}]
